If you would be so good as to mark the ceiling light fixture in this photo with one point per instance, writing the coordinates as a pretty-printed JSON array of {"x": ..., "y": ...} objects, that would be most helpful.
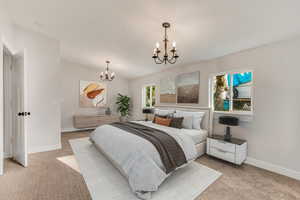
[
  {"x": 165, "y": 58},
  {"x": 107, "y": 75}
]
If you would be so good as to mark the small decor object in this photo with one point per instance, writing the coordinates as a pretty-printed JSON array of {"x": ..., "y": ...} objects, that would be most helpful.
[
  {"x": 92, "y": 94},
  {"x": 188, "y": 87},
  {"x": 107, "y": 75},
  {"x": 108, "y": 111},
  {"x": 123, "y": 103},
  {"x": 229, "y": 121},
  {"x": 147, "y": 111},
  {"x": 167, "y": 90},
  {"x": 165, "y": 58}
]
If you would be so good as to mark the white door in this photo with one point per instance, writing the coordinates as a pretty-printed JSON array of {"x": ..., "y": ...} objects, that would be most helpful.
[{"x": 20, "y": 112}]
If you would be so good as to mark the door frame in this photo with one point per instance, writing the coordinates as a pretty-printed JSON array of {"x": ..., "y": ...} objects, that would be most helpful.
[
  {"x": 22, "y": 55},
  {"x": 2, "y": 47}
]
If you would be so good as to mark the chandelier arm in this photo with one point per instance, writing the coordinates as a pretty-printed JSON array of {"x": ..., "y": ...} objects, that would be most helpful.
[
  {"x": 158, "y": 60},
  {"x": 172, "y": 60}
]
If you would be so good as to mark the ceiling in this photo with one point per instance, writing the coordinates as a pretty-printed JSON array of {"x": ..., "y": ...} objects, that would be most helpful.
[{"x": 125, "y": 32}]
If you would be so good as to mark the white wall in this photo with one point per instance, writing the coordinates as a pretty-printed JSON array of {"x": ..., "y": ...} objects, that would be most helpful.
[
  {"x": 136, "y": 85},
  {"x": 71, "y": 75},
  {"x": 42, "y": 64},
  {"x": 273, "y": 134}
]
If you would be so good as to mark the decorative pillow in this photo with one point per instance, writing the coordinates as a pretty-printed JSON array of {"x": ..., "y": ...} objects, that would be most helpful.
[
  {"x": 197, "y": 119},
  {"x": 161, "y": 116},
  {"x": 163, "y": 121},
  {"x": 187, "y": 122},
  {"x": 176, "y": 122},
  {"x": 192, "y": 120},
  {"x": 164, "y": 112}
]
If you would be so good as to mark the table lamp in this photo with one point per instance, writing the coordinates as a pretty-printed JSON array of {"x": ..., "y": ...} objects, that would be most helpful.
[
  {"x": 147, "y": 111},
  {"x": 229, "y": 121}
]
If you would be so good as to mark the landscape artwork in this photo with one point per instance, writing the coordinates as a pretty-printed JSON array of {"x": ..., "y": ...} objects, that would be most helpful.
[
  {"x": 167, "y": 90},
  {"x": 188, "y": 87},
  {"x": 92, "y": 94}
]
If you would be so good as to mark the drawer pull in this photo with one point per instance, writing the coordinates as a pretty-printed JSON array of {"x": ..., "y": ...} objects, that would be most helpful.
[{"x": 221, "y": 150}]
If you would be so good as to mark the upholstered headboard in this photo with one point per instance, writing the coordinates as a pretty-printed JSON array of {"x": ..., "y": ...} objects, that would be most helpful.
[{"x": 207, "y": 120}]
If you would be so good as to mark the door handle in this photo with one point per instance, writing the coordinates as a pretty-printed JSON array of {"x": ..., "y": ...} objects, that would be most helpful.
[
  {"x": 21, "y": 114},
  {"x": 26, "y": 113}
]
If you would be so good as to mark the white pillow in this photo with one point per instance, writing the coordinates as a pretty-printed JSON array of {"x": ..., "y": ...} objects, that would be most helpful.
[
  {"x": 197, "y": 119},
  {"x": 187, "y": 119},
  {"x": 163, "y": 112},
  {"x": 194, "y": 117},
  {"x": 187, "y": 122}
]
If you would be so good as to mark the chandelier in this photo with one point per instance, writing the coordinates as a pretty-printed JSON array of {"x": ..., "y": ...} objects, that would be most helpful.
[
  {"x": 165, "y": 58},
  {"x": 107, "y": 75}
]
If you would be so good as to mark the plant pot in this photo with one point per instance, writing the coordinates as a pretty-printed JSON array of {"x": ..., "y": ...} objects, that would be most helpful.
[{"x": 123, "y": 119}]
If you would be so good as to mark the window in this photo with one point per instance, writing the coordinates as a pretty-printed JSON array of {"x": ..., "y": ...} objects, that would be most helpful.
[
  {"x": 232, "y": 92},
  {"x": 149, "y": 97}
]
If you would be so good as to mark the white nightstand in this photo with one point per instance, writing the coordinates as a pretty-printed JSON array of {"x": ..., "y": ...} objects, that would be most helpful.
[{"x": 234, "y": 151}]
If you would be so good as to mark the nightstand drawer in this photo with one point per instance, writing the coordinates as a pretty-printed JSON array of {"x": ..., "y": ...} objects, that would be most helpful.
[
  {"x": 225, "y": 146},
  {"x": 219, "y": 153}
]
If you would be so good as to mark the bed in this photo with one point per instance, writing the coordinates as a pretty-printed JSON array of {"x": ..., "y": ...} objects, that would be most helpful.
[
  {"x": 198, "y": 136},
  {"x": 146, "y": 160}
]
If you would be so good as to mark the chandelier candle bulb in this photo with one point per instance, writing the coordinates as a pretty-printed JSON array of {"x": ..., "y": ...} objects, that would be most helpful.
[
  {"x": 157, "y": 45},
  {"x": 174, "y": 44}
]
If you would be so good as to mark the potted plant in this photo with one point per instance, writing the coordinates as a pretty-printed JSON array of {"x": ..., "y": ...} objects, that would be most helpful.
[{"x": 123, "y": 103}]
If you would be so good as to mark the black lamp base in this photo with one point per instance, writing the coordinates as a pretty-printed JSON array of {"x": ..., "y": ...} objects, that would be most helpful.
[{"x": 227, "y": 136}]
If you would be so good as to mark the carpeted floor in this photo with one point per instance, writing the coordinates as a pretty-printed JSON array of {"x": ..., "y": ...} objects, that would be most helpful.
[{"x": 47, "y": 178}]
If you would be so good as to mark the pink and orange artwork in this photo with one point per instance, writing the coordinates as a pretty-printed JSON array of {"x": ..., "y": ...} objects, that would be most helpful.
[{"x": 92, "y": 94}]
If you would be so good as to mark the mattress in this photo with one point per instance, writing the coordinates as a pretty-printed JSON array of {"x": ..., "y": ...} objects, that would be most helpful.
[{"x": 197, "y": 136}]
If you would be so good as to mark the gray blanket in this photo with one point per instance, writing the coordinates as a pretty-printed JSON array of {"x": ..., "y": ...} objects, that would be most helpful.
[
  {"x": 171, "y": 154},
  {"x": 136, "y": 158}
]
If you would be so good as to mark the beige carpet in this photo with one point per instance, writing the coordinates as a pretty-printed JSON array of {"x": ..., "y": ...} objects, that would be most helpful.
[
  {"x": 47, "y": 178},
  {"x": 106, "y": 182},
  {"x": 70, "y": 161}
]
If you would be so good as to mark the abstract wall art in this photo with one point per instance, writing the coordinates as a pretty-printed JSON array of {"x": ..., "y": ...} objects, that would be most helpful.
[
  {"x": 188, "y": 87},
  {"x": 167, "y": 90},
  {"x": 93, "y": 94}
]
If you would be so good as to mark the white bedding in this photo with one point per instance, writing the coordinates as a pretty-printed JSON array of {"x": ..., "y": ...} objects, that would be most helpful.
[
  {"x": 136, "y": 158},
  {"x": 197, "y": 136}
]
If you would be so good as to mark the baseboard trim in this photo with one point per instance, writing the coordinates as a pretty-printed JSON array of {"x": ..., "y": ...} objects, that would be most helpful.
[
  {"x": 45, "y": 148},
  {"x": 67, "y": 130},
  {"x": 273, "y": 168}
]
